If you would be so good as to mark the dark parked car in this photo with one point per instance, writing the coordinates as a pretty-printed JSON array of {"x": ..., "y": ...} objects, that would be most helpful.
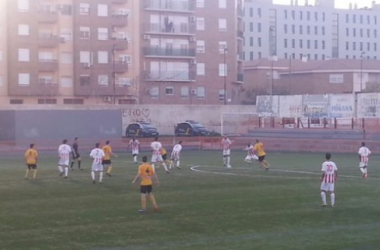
[
  {"x": 141, "y": 129},
  {"x": 190, "y": 128}
]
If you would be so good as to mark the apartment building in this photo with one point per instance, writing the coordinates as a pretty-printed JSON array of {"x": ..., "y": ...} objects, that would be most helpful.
[
  {"x": 70, "y": 51},
  {"x": 191, "y": 55},
  {"x": 3, "y": 52},
  {"x": 315, "y": 32}
]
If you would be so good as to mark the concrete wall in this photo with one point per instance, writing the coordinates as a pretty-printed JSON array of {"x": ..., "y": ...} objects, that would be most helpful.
[{"x": 164, "y": 117}]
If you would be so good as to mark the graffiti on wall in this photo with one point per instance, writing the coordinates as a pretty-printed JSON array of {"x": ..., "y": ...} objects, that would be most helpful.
[
  {"x": 368, "y": 105},
  {"x": 315, "y": 106},
  {"x": 137, "y": 114},
  {"x": 342, "y": 106}
]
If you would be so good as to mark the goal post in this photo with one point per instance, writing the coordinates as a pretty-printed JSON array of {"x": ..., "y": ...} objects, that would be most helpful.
[{"x": 238, "y": 123}]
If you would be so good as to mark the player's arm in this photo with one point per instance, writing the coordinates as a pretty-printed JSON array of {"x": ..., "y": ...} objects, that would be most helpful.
[
  {"x": 156, "y": 177},
  {"x": 136, "y": 178},
  {"x": 323, "y": 176}
]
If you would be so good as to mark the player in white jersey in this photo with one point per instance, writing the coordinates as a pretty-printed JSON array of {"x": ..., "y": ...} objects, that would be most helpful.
[
  {"x": 156, "y": 154},
  {"x": 64, "y": 151},
  {"x": 250, "y": 154},
  {"x": 175, "y": 155},
  {"x": 364, "y": 153},
  {"x": 134, "y": 145},
  {"x": 329, "y": 176},
  {"x": 226, "y": 145},
  {"x": 97, "y": 155}
]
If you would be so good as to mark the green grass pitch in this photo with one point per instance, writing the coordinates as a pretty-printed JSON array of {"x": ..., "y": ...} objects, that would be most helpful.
[{"x": 216, "y": 209}]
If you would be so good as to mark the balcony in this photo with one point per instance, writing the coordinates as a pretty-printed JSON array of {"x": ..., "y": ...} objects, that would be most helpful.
[
  {"x": 120, "y": 67},
  {"x": 170, "y": 28},
  {"x": 47, "y": 65},
  {"x": 169, "y": 76},
  {"x": 240, "y": 34},
  {"x": 47, "y": 16},
  {"x": 49, "y": 40},
  {"x": 120, "y": 44},
  {"x": 170, "y": 5},
  {"x": 240, "y": 11},
  {"x": 168, "y": 52},
  {"x": 120, "y": 19}
]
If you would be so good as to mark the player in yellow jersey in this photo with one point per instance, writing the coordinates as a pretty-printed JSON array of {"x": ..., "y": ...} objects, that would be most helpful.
[
  {"x": 145, "y": 174},
  {"x": 259, "y": 149},
  {"x": 31, "y": 157},
  {"x": 107, "y": 158},
  {"x": 164, "y": 155}
]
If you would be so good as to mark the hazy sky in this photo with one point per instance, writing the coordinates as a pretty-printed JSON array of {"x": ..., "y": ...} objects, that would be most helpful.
[{"x": 342, "y": 4}]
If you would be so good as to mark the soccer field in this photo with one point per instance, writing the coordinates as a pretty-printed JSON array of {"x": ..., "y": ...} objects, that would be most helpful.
[{"x": 211, "y": 208}]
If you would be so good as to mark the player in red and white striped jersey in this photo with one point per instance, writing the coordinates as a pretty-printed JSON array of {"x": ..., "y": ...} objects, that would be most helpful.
[
  {"x": 97, "y": 155},
  {"x": 175, "y": 155},
  {"x": 64, "y": 151},
  {"x": 364, "y": 153},
  {"x": 156, "y": 147},
  {"x": 134, "y": 145},
  {"x": 250, "y": 154},
  {"x": 226, "y": 145},
  {"x": 329, "y": 176}
]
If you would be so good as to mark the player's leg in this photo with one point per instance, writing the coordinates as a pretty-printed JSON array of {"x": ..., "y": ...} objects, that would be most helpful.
[
  {"x": 101, "y": 176},
  {"x": 134, "y": 158},
  {"x": 332, "y": 197},
  {"x": 248, "y": 159},
  {"x": 224, "y": 160},
  {"x": 323, "y": 194},
  {"x": 93, "y": 176},
  {"x": 66, "y": 166},
  {"x": 109, "y": 170},
  {"x": 178, "y": 162},
  {"x": 72, "y": 163},
  {"x": 79, "y": 163},
  {"x": 153, "y": 200},
  {"x": 60, "y": 168},
  {"x": 143, "y": 199},
  {"x": 34, "y": 171},
  {"x": 27, "y": 172}
]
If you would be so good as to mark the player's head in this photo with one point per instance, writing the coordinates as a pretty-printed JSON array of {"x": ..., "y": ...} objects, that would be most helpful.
[
  {"x": 145, "y": 158},
  {"x": 328, "y": 156},
  {"x": 249, "y": 144},
  {"x": 257, "y": 140},
  {"x": 156, "y": 138},
  {"x": 180, "y": 142},
  {"x": 97, "y": 145},
  {"x": 76, "y": 139},
  {"x": 134, "y": 139},
  {"x": 31, "y": 145},
  {"x": 363, "y": 144},
  {"x": 64, "y": 141},
  {"x": 107, "y": 142}
]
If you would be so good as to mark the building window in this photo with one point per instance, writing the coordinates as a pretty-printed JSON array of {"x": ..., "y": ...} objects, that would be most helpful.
[
  {"x": 103, "y": 80},
  {"x": 124, "y": 82},
  {"x": 308, "y": 44},
  {"x": 169, "y": 91},
  {"x": 222, "y": 94},
  {"x": 47, "y": 101},
  {"x": 103, "y": 10},
  {"x": 323, "y": 45},
  {"x": 375, "y": 46},
  {"x": 293, "y": 29},
  {"x": 354, "y": 18},
  {"x": 251, "y": 12},
  {"x": 16, "y": 101},
  {"x": 375, "y": 20},
  {"x": 259, "y": 55},
  {"x": 316, "y": 44},
  {"x": 222, "y": 47},
  {"x": 315, "y": 57},
  {"x": 368, "y": 33},
  {"x": 316, "y": 16},
  {"x": 308, "y": 15},
  {"x": 301, "y": 15},
  {"x": 259, "y": 27},
  {"x": 73, "y": 101},
  {"x": 84, "y": 32},
  {"x": 301, "y": 43},
  {"x": 23, "y": 30},
  {"x": 375, "y": 33},
  {"x": 66, "y": 57},
  {"x": 353, "y": 46},
  {"x": 368, "y": 19},
  {"x": 308, "y": 30},
  {"x": 23, "y": 55},
  {"x": 102, "y": 57},
  {"x": 361, "y": 46},
  {"x": 259, "y": 41},
  {"x": 347, "y": 32},
  {"x": 293, "y": 14},
  {"x": 251, "y": 55},
  {"x": 336, "y": 78},
  {"x": 361, "y": 32},
  {"x": 200, "y": 23},
  {"x": 316, "y": 30},
  {"x": 201, "y": 92},
  {"x": 222, "y": 25},
  {"x": 285, "y": 28},
  {"x": 154, "y": 92},
  {"x": 222, "y": 4},
  {"x": 293, "y": 43},
  {"x": 354, "y": 32},
  {"x": 301, "y": 30},
  {"x": 67, "y": 34},
  {"x": 102, "y": 34},
  {"x": 66, "y": 81},
  {"x": 347, "y": 46},
  {"x": 285, "y": 43},
  {"x": 23, "y": 79},
  {"x": 184, "y": 91},
  {"x": 200, "y": 46},
  {"x": 84, "y": 9},
  {"x": 347, "y": 18},
  {"x": 23, "y": 5},
  {"x": 323, "y": 30},
  {"x": 84, "y": 80},
  {"x": 222, "y": 69},
  {"x": 200, "y": 3},
  {"x": 259, "y": 12},
  {"x": 201, "y": 69},
  {"x": 286, "y": 55},
  {"x": 368, "y": 46},
  {"x": 323, "y": 16},
  {"x": 251, "y": 41},
  {"x": 361, "y": 19},
  {"x": 251, "y": 26}
]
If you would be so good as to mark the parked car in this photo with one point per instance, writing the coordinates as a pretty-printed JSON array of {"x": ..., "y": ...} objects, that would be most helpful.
[
  {"x": 190, "y": 128},
  {"x": 141, "y": 129}
]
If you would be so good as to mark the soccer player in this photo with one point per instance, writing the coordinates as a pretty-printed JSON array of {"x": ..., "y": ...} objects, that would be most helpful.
[
  {"x": 146, "y": 173},
  {"x": 175, "y": 155},
  {"x": 156, "y": 147},
  {"x": 107, "y": 157},
  {"x": 329, "y": 176},
  {"x": 31, "y": 157},
  {"x": 364, "y": 153},
  {"x": 259, "y": 149},
  {"x": 164, "y": 155},
  {"x": 250, "y": 154},
  {"x": 134, "y": 145},
  {"x": 64, "y": 151},
  {"x": 226, "y": 145},
  {"x": 97, "y": 155},
  {"x": 75, "y": 154}
]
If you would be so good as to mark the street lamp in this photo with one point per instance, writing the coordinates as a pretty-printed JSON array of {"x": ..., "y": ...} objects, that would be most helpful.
[
  {"x": 225, "y": 76},
  {"x": 361, "y": 71},
  {"x": 114, "y": 74},
  {"x": 272, "y": 59}
]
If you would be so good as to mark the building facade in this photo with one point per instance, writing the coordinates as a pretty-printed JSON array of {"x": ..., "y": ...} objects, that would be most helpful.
[
  {"x": 3, "y": 52},
  {"x": 69, "y": 52},
  {"x": 315, "y": 32},
  {"x": 189, "y": 54}
]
